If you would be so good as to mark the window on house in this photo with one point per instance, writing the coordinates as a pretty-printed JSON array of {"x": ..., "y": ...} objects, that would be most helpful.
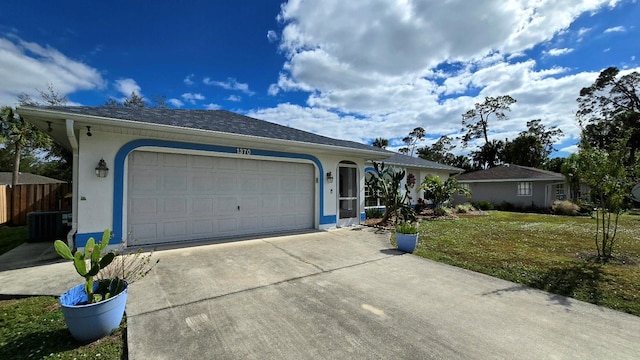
[
  {"x": 370, "y": 198},
  {"x": 524, "y": 188},
  {"x": 560, "y": 191}
]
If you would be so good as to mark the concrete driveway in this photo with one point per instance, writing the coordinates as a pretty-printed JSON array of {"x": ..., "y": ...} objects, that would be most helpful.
[{"x": 346, "y": 294}]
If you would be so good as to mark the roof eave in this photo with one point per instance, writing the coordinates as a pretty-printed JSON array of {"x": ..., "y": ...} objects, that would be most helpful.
[{"x": 48, "y": 114}]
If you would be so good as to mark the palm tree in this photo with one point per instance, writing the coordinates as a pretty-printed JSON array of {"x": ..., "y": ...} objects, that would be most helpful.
[{"x": 381, "y": 143}]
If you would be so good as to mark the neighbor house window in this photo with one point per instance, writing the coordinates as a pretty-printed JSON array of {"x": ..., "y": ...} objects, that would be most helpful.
[
  {"x": 524, "y": 188},
  {"x": 560, "y": 191}
]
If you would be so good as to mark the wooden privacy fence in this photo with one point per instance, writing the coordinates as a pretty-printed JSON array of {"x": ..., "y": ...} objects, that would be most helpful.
[
  {"x": 4, "y": 204},
  {"x": 22, "y": 199}
]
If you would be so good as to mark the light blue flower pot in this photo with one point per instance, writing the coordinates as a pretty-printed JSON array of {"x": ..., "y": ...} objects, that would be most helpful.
[
  {"x": 407, "y": 242},
  {"x": 91, "y": 321}
]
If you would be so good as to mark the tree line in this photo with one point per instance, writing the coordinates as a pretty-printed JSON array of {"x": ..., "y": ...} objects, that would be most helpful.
[{"x": 531, "y": 147}]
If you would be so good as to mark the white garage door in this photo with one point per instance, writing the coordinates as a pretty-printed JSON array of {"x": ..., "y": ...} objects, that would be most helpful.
[{"x": 174, "y": 197}]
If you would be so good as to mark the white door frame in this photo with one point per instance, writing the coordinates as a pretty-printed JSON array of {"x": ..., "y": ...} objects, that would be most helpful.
[{"x": 354, "y": 210}]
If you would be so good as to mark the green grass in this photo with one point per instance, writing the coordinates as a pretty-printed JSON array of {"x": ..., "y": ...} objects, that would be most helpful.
[
  {"x": 11, "y": 237},
  {"x": 34, "y": 328},
  {"x": 552, "y": 253}
]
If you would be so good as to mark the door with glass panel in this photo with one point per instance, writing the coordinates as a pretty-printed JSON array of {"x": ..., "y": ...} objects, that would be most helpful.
[{"x": 348, "y": 202}]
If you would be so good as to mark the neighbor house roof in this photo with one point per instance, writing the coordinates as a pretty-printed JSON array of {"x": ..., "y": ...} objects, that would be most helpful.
[
  {"x": 27, "y": 178},
  {"x": 510, "y": 173},
  {"x": 212, "y": 120},
  {"x": 414, "y": 162}
]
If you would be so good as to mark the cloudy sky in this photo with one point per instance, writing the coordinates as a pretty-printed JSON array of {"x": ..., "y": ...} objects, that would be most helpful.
[{"x": 355, "y": 70}]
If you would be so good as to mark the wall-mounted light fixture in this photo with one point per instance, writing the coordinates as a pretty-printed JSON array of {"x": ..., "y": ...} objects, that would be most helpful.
[
  {"x": 102, "y": 170},
  {"x": 89, "y": 131},
  {"x": 49, "y": 128},
  {"x": 329, "y": 177}
]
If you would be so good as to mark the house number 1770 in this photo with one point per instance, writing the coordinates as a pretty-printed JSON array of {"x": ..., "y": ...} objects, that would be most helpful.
[{"x": 243, "y": 151}]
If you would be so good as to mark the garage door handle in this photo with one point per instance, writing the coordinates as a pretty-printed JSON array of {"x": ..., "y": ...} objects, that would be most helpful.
[{"x": 238, "y": 207}]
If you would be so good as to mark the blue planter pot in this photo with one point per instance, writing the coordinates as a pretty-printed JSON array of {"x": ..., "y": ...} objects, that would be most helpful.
[
  {"x": 407, "y": 242},
  {"x": 91, "y": 321}
]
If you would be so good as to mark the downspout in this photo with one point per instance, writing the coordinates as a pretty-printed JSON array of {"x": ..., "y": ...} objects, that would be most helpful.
[{"x": 74, "y": 183}]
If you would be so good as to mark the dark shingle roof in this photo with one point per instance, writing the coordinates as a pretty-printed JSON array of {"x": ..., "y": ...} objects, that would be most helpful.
[
  {"x": 213, "y": 120},
  {"x": 510, "y": 172},
  {"x": 413, "y": 162},
  {"x": 27, "y": 178}
]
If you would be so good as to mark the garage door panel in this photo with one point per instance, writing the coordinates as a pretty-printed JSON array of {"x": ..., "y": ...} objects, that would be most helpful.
[
  {"x": 145, "y": 182},
  {"x": 141, "y": 232},
  {"x": 175, "y": 205},
  {"x": 202, "y": 227},
  {"x": 177, "y": 182},
  {"x": 204, "y": 162},
  {"x": 174, "y": 160},
  {"x": 175, "y": 197},
  {"x": 144, "y": 158},
  {"x": 203, "y": 183},
  {"x": 175, "y": 228},
  {"x": 144, "y": 206},
  {"x": 202, "y": 205}
]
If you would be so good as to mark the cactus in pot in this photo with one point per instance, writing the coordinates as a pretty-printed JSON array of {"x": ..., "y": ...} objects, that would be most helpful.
[{"x": 88, "y": 264}]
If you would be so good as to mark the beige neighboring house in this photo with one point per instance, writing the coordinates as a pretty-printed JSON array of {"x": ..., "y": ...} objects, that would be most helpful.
[
  {"x": 518, "y": 185},
  {"x": 27, "y": 178}
]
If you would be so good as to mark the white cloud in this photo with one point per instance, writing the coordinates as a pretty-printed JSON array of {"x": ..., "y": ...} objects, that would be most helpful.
[
  {"x": 188, "y": 80},
  {"x": 558, "y": 52},
  {"x": 175, "y": 103},
  {"x": 128, "y": 86},
  {"x": 380, "y": 68},
  {"x": 272, "y": 36},
  {"x": 212, "y": 106},
  {"x": 27, "y": 66},
  {"x": 234, "y": 98},
  {"x": 230, "y": 84},
  {"x": 192, "y": 98},
  {"x": 570, "y": 149},
  {"x": 615, "y": 29}
]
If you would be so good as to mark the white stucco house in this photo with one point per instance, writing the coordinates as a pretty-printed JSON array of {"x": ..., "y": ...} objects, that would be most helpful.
[{"x": 180, "y": 175}]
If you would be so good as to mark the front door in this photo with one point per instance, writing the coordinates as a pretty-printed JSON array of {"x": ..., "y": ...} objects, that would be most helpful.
[{"x": 348, "y": 209}]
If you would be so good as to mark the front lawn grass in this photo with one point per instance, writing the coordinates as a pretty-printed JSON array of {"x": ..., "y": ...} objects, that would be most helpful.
[
  {"x": 34, "y": 328},
  {"x": 548, "y": 252},
  {"x": 11, "y": 237}
]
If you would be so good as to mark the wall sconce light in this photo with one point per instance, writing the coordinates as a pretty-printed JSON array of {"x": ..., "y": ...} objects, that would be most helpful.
[
  {"x": 102, "y": 170},
  {"x": 49, "y": 128},
  {"x": 329, "y": 177},
  {"x": 89, "y": 131}
]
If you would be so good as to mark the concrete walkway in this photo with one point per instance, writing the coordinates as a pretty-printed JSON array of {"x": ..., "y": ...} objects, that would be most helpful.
[{"x": 344, "y": 294}]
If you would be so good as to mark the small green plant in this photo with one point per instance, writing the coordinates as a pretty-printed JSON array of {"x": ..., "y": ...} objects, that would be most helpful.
[
  {"x": 93, "y": 254},
  {"x": 374, "y": 213},
  {"x": 483, "y": 205},
  {"x": 464, "y": 208},
  {"x": 406, "y": 227}
]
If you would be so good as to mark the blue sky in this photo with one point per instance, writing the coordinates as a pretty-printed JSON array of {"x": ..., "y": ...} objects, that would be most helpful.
[{"x": 353, "y": 70}]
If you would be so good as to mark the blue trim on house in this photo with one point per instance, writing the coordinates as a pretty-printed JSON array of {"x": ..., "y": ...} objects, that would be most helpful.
[
  {"x": 126, "y": 149},
  {"x": 81, "y": 239}
]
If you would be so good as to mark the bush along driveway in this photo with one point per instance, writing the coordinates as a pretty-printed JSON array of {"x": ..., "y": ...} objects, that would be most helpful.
[{"x": 548, "y": 252}]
